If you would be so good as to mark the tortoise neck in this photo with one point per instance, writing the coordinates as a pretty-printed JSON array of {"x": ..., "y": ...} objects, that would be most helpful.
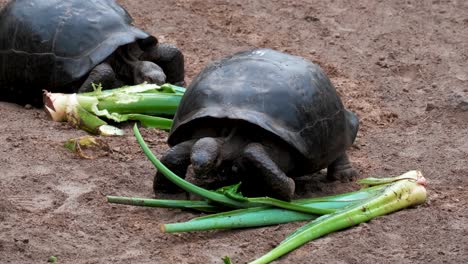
[{"x": 123, "y": 61}]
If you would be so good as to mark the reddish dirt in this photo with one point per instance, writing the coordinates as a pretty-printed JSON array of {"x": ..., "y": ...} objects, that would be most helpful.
[{"x": 400, "y": 65}]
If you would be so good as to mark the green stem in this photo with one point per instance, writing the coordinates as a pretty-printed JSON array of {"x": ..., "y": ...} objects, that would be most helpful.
[
  {"x": 151, "y": 121},
  {"x": 182, "y": 204},
  {"x": 241, "y": 218},
  {"x": 394, "y": 197},
  {"x": 79, "y": 117},
  {"x": 290, "y": 206},
  {"x": 141, "y": 103},
  {"x": 262, "y": 216}
]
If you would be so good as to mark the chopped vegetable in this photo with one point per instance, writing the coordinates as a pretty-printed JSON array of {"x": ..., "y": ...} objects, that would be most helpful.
[
  {"x": 408, "y": 190},
  {"x": 52, "y": 259},
  {"x": 149, "y": 104},
  {"x": 242, "y": 218},
  {"x": 183, "y": 204},
  {"x": 83, "y": 144},
  {"x": 226, "y": 260},
  {"x": 264, "y": 216}
]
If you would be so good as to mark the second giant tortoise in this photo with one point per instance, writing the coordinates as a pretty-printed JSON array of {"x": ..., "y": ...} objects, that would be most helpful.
[
  {"x": 66, "y": 45},
  {"x": 266, "y": 115}
]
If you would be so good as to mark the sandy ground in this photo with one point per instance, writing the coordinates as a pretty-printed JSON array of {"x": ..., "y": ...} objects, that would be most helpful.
[{"x": 402, "y": 66}]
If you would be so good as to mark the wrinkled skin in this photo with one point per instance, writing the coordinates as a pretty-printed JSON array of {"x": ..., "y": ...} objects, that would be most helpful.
[{"x": 264, "y": 163}]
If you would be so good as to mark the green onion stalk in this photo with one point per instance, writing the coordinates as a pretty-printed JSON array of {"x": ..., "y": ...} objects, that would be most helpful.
[
  {"x": 403, "y": 191},
  {"x": 243, "y": 218},
  {"x": 150, "y": 104},
  {"x": 264, "y": 216},
  {"x": 202, "y": 206}
]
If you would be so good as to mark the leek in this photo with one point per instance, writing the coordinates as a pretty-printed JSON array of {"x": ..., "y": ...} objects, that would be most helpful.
[
  {"x": 202, "y": 206},
  {"x": 242, "y": 218},
  {"x": 264, "y": 216},
  {"x": 408, "y": 190},
  {"x": 149, "y": 104}
]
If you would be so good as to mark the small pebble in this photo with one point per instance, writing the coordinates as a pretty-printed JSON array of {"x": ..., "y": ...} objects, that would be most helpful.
[
  {"x": 459, "y": 100},
  {"x": 430, "y": 106},
  {"x": 382, "y": 64},
  {"x": 463, "y": 105}
]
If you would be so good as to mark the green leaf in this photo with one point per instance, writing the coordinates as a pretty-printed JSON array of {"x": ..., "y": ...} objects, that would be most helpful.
[
  {"x": 227, "y": 260},
  {"x": 232, "y": 192}
]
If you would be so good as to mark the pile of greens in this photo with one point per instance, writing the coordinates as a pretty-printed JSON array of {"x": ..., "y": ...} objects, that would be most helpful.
[{"x": 150, "y": 104}]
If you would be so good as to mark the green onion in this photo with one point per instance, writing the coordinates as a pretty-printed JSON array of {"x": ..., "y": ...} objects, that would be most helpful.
[
  {"x": 202, "y": 206},
  {"x": 249, "y": 217},
  {"x": 264, "y": 216},
  {"x": 149, "y": 104},
  {"x": 409, "y": 190},
  {"x": 241, "y": 218}
]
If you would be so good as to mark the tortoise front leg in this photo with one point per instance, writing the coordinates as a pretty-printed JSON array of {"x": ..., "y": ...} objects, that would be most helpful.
[
  {"x": 276, "y": 181},
  {"x": 177, "y": 159},
  {"x": 101, "y": 74},
  {"x": 341, "y": 169}
]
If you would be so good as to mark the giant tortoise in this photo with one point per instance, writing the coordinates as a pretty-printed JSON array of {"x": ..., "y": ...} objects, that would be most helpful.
[
  {"x": 66, "y": 45},
  {"x": 268, "y": 117}
]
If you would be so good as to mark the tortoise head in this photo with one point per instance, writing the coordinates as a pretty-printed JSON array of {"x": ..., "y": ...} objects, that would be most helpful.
[{"x": 206, "y": 155}]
